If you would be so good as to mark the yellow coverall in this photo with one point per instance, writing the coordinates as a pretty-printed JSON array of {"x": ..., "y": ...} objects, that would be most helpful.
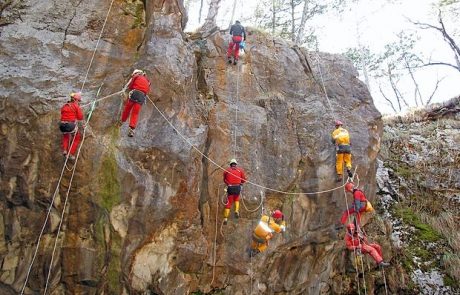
[
  {"x": 341, "y": 138},
  {"x": 264, "y": 232}
]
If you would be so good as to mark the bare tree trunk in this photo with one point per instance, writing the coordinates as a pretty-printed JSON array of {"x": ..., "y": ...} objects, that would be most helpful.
[
  {"x": 396, "y": 91},
  {"x": 233, "y": 12},
  {"x": 417, "y": 93},
  {"x": 303, "y": 21},
  {"x": 273, "y": 17},
  {"x": 210, "y": 22},
  {"x": 387, "y": 99},
  {"x": 293, "y": 21},
  {"x": 201, "y": 11},
  {"x": 450, "y": 41}
]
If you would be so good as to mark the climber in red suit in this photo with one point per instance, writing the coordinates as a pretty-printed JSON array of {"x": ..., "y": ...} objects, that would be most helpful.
[
  {"x": 234, "y": 177},
  {"x": 139, "y": 87},
  {"x": 359, "y": 203},
  {"x": 71, "y": 114},
  {"x": 238, "y": 34},
  {"x": 356, "y": 241}
]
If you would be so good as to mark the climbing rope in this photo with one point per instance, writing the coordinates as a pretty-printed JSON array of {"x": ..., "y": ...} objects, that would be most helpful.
[
  {"x": 214, "y": 259},
  {"x": 385, "y": 281},
  {"x": 223, "y": 169},
  {"x": 65, "y": 164},
  {"x": 46, "y": 219},
  {"x": 97, "y": 45},
  {"x": 251, "y": 210},
  {"x": 102, "y": 98},
  {"x": 67, "y": 195},
  {"x": 323, "y": 85},
  {"x": 237, "y": 98}
]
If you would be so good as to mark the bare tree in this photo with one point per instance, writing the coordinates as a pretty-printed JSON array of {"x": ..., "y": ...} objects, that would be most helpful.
[
  {"x": 233, "y": 12},
  {"x": 210, "y": 22},
  {"x": 447, "y": 38}
]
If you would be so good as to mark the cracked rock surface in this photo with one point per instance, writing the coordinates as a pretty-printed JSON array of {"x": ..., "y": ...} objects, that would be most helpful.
[{"x": 141, "y": 217}]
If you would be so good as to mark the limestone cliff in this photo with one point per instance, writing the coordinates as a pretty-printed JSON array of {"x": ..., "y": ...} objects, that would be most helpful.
[{"x": 141, "y": 217}]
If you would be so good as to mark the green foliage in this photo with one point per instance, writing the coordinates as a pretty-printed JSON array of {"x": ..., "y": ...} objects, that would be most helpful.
[
  {"x": 448, "y": 281},
  {"x": 423, "y": 231}
]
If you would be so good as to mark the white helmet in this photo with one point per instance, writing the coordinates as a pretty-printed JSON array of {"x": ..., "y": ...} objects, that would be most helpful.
[
  {"x": 233, "y": 161},
  {"x": 136, "y": 71}
]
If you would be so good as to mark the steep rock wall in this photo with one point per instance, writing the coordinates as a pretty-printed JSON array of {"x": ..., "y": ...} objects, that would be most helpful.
[{"x": 142, "y": 211}]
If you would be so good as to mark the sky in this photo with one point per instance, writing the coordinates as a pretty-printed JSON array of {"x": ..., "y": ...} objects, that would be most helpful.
[{"x": 376, "y": 22}]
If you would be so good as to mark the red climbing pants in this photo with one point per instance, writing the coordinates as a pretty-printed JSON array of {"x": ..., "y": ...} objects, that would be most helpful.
[
  {"x": 374, "y": 250},
  {"x": 235, "y": 47},
  {"x": 134, "y": 108},
  {"x": 231, "y": 199},
  {"x": 70, "y": 139},
  {"x": 352, "y": 210}
]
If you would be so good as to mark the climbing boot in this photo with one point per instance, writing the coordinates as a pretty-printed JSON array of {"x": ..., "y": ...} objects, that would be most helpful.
[
  {"x": 131, "y": 132},
  {"x": 349, "y": 173},
  {"x": 225, "y": 221},
  {"x": 235, "y": 61},
  {"x": 237, "y": 214},
  {"x": 229, "y": 60},
  {"x": 384, "y": 264},
  {"x": 339, "y": 178}
]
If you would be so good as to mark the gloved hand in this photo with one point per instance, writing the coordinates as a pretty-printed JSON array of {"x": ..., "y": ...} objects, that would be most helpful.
[
  {"x": 283, "y": 228},
  {"x": 358, "y": 252}
]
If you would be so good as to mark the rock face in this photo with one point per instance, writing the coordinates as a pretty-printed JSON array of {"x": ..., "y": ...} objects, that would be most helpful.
[{"x": 144, "y": 213}]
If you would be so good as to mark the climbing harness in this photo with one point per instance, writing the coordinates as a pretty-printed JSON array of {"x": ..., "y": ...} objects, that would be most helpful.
[{"x": 62, "y": 173}]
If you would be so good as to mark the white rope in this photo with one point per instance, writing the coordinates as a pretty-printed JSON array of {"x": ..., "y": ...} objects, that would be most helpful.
[
  {"x": 97, "y": 44},
  {"x": 223, "y": 169},
  {"x": 67, "y": 197},
  {"x": 323, "y": 85},
  {"x": 102, "y": 98},
  {"x": 64, "y": 166},
  {"x": 46, "y": 219},
  {"x": 251, "y": 210},
  {"x": 385, "y": 281},
  {"x": 215, "y": 239},
  {"x": 237, "y": 97}
]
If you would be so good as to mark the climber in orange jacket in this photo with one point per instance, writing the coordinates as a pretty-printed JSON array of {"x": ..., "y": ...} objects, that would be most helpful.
[
  {"x": 238, "y": 34},
  {"x": 139, "y": 87},
  {"x": 359, "y": 203},
  {"x": 341, "y": 139},
  {"x": 234, "y": 177},
  {"x": 264, "y": 231},
  {"x": 71, "y": 114},
  {"x": 356, "y": 241}
]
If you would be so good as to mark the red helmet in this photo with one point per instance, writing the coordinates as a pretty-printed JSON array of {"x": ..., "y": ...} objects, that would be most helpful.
[
  {"x": 76, "y": 96},
  {"x": 349, "y": 187},
  {"x": 277, "y": 214},
  {"x": 351, "y": 227},
  {"x": 338, "y": 123}
]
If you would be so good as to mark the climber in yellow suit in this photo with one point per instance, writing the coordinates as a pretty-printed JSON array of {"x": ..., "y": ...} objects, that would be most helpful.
[
  {"x": 264, "y": 231},
  {"x": 341, "y": 139}
]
